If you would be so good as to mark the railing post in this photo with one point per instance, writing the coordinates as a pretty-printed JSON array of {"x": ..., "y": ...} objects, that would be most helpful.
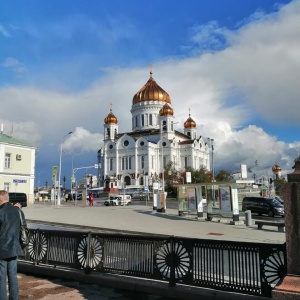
[
  {"x": 37, "y": 246},
  {"x": 172, "y": 281},
  {"x": 88, "y": 254}
]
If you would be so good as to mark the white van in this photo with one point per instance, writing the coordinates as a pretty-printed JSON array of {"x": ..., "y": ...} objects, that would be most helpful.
[{"x": 118, "y": 200}]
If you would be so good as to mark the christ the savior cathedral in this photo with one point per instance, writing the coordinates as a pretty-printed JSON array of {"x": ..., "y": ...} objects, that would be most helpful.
[{"x": 152, "y": 144}]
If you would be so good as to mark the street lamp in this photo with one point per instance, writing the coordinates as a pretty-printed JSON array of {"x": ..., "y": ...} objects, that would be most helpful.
[
  {"x": 73, "y": 176},
  {"x": 212, "y": 158},
  {"x": 256, "y": 163},
  {"x": 99, "y": 166},
  {"x": 213, "y": 168},
  {"x": 162, "y": 157},
  {"x": 59, "y": 174}
]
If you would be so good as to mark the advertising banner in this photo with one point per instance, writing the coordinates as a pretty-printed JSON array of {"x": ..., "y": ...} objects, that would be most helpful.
[
  {"x": 191, "y": 198},
  {"x": 224, "y": 193}
]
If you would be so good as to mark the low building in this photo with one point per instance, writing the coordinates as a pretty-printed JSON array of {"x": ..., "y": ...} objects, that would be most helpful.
[{"x": 17, "y": 166}]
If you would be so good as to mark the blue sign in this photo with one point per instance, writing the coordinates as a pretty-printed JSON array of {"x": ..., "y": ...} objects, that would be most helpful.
[{"x": 19, "y": 180}]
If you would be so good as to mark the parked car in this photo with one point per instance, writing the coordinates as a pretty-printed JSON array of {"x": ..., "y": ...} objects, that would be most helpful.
[
  {"x": 262, "y": 205},
  {"x": 18, "y": 198},
  {"x": 118, "y": 200},
  {"x": 279, "y": 199}
]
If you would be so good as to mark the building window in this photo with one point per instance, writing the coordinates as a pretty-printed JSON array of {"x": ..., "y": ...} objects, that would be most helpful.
[
  {"x": 126, "y": 143},
  {"x": 143, "y": 161},
  {"x": 126, "y": 163},
  {"x": 136, "y": 121},
  {"x": 111, "y": 146},
  {"x": 7, "y": 160},
  {"x": 150, "y": 119},
  {"x": 164, "y": 126},
  {"x": 143, "y": 120},
  {"x": 6, "y": 186},
  {"x": 165, "y": 161},
  {"x": 110, "y": 164},
  {"x": 142, "y": 143},
  {"x": 108, "y": 133},
  {"x": 186, "y": 162}
]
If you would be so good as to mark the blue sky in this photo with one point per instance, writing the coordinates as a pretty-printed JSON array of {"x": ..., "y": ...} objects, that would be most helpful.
[{"x": 234, "y": 63}]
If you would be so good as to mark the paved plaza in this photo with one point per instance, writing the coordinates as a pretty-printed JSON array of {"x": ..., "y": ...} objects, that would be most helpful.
[{"x": 143, "y": 219}]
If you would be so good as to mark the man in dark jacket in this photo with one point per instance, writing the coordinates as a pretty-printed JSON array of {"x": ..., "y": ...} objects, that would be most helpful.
[{"x": 10, "y": 247}]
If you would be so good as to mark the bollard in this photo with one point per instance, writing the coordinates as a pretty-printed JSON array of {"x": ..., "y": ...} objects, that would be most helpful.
[{"x": 248, "y": 218}]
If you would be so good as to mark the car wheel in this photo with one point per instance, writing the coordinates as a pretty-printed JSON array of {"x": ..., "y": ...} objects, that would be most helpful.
[{"x": 270, "y": 213}]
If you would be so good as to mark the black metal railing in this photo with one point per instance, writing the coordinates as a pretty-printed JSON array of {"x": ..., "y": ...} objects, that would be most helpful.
[{"x": 247, "y": 268}]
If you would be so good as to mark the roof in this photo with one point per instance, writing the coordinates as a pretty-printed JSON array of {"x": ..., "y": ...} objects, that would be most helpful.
[
  {"x": 5, "y": 139},
  {"x": 153, "y": 135}
]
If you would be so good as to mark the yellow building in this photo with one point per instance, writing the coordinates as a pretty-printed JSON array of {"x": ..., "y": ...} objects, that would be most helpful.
[{"x": 17, "y": 165}]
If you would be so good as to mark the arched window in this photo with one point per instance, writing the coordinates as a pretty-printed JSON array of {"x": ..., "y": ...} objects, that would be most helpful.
[
  {"x": 143, "y": 120},
  {"x": 108, "y": 133},
  {"x": 164, "y": 126},
  {"x": 127, "y": 180},
  {"x": 150, "y": 120}
]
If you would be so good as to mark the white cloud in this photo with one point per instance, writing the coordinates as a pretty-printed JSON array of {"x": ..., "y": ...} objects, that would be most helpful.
[
  {"x": 83, "y": 140},
  {"x": 14, "y": 65}
]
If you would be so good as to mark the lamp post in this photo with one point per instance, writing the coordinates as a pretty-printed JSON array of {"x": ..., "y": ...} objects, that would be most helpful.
[
  {"x": 99, "y": 166},
  {"x": 38, "y": 189},
  {"x": 59, "y": 174},
  {"x": 268, "y": 180},
  {"x": 73, "y": 175},
  {"x": 213, "y": 168}
]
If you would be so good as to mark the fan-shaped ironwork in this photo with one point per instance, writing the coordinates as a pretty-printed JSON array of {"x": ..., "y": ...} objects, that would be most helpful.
[
  {"x": 180, "y": 258},
  {"x": 96, "y": 253},
  {"x": 38, "y": 246},
  {"x": 274, "y": 268}
]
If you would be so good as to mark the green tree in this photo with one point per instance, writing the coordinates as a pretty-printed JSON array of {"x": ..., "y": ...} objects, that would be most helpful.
[
  {"x": 279, "y": 186},
  {"x": 223, "y": 175},
  {"x": 199, "y": 176}
]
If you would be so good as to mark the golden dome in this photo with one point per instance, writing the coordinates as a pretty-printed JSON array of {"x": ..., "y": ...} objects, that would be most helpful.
[
  {"x": 151, "y": 91},
  {"x": 166, "y": 110},
  {"x": 276, "y": 168},
  {"x": 111, "y": 118},
  {"x": 189, "y": 123}
]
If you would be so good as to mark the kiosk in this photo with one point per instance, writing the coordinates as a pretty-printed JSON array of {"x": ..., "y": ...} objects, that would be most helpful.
[{"x": 213, "y": 199}]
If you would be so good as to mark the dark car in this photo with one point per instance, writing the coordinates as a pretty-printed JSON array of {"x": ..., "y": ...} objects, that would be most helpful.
[
  {"x": 262, "y": 205},
  {"x": 18, "y": 198}
]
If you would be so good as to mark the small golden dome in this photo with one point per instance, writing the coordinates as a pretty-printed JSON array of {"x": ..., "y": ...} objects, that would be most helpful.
[
  {"x": 151, "y": 91},
  {"x": 166, "y": 110},
  {"x": 276, "y": 168},
  {"x": 111, "y": 118},
  {"x": 189, "y": 123}
]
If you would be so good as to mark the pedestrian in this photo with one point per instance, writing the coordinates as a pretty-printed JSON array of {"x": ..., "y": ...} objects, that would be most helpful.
[
  {"x": 91, "y": 199},
  {"x": 10, "y": 247}
]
